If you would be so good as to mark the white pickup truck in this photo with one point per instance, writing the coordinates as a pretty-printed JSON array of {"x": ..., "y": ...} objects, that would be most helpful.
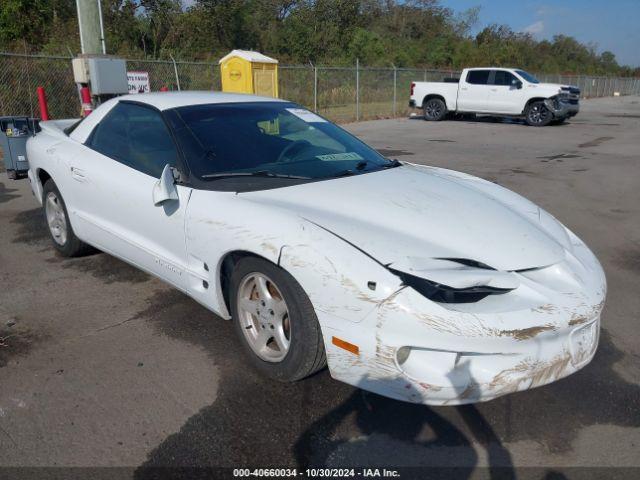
[{"x": 504, "y": 92}]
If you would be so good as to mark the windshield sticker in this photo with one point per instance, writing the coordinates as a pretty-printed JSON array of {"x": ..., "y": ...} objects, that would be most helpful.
[
  {"x": 340, "y": 156},
  {"x": 306, "y": 115}
]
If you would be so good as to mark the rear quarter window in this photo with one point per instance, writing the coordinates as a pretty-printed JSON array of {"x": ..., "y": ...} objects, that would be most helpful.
[{"x": 478, "y": 77}]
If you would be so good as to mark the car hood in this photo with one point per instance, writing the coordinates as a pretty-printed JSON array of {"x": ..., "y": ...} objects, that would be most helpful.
[
  {"x": 553, "y": 87},
  {"x": 423, "y": 212}
]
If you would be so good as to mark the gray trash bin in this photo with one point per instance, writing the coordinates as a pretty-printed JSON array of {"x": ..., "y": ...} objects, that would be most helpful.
[{"x": 14, "y": 132}]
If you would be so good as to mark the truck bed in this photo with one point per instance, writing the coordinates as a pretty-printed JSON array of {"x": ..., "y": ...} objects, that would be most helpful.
[{"x": 447, "y": 89}]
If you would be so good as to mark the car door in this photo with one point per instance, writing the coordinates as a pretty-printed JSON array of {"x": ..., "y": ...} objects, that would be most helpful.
[
  {"x": 505, "y": 93},
  {"x": 473, "y": 93},
  {"x": 120, "y": 163}
]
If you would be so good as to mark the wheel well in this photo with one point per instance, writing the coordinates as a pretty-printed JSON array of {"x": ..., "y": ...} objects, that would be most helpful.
[
  {"x": 530, "y": 101},
  {"x": 434, "y": 95},
  {"x": 43, "y": 176},
  {"x": 227, "y": 265}
]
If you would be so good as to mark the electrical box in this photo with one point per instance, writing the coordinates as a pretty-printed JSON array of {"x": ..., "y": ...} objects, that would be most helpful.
[
  {"x": 108, "y": 76},
  {"x": 244, "y": 71},
  {"x": 80, "y": 70}
]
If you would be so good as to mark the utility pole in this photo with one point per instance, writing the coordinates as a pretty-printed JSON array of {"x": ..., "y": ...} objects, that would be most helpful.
[
  {"x": 98, "y": 76},
  {"x": 91, "y": 27}
]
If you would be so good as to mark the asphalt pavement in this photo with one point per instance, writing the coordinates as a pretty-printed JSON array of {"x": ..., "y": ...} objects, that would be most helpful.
[{"x": 103, "y": 365}]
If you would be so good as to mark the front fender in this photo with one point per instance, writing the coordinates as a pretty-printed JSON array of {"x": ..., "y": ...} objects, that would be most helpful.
[
  {"x": 339, "y": 279},
  {"x": 335, "y": 275}
]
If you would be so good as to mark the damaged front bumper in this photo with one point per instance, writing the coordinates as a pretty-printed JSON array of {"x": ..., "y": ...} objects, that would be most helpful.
[
  {"x": 413, "y": 349},
  {"x": 424, "y": 358},
  {"x": 562, "y": 108}
]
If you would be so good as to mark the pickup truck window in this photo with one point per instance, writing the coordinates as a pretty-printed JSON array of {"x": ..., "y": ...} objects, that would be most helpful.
[
  {"x": 502, "y": 77},
  {"x": 478, "y": 77}
]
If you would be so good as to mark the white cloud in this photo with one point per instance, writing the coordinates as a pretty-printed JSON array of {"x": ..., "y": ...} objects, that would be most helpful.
[
  {"x": 547, "y": 10},
  {"x": 535, "y": 28}
]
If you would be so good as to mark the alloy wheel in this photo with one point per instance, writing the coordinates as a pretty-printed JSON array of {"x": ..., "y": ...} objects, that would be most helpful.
[
  {"x": 433, "y": 109},
  {"x": 264, "y": 317},
  {"x": 539, "y": 114},
  {"x": 56, "y": 218}
]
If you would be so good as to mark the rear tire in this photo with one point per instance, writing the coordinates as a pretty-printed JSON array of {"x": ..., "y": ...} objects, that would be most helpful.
[
  {"x": 275, "y": 321},
  {"x": 434, "y": 110},
  {"x": 57, "y": 218},
  {"x": 538, "y": 115}
]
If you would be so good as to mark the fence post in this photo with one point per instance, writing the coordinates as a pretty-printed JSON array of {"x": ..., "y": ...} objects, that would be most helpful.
[
  {"x": 357, "y": 89},
  {"x": 425, "y": 75},
  {"x": 175, "y": 69},
  {"x": 395, "y": 89},
  {"x": 315, "y": 88}
]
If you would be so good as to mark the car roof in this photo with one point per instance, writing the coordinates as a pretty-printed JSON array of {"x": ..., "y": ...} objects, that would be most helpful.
[
  {"x": 167, "y": 100},
  {"x": 492, "y": 68},
  {"x": 163, "y": 101}
]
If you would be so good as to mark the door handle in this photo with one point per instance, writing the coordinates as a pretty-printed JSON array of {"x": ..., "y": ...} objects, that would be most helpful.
[
  {"x": 463, "y": 88},
  {"x": 494, "y": 89}
]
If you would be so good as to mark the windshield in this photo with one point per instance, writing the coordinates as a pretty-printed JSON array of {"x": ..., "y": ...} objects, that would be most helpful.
[
  {"x": 268, "y": 139},
  {"x": 527, "y": 76}
]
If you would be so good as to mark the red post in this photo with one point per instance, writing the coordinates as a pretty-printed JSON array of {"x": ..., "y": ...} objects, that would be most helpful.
[
  {"x": 42, "y": 100},
  {"x": 85, "y": 95}
]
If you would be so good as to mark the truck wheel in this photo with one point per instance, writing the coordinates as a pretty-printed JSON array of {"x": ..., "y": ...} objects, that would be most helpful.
[
  {"x": 434, "y": 110},
  {"x": 538, "y": 115},
  {"x": 55, "y": 213},
  {"x": 275, "y": 321}
]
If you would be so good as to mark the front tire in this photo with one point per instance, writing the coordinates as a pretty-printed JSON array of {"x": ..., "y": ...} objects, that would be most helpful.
[
  {"x": 434, "y": 110},
  {"x": 538, "y": 115},
  {"x": 57, "y": 218},
  {"x": 275, "y": 321}
]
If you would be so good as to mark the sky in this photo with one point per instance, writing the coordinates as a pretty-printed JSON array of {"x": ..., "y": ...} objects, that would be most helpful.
[{"x": 612, "y": 25}]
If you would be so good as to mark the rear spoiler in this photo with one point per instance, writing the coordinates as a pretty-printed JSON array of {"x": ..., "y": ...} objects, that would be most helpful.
[{"x": 56, "y": 128}]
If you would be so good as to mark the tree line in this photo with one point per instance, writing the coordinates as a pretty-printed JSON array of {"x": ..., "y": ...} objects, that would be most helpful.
[{"x": 409, "y": 33}]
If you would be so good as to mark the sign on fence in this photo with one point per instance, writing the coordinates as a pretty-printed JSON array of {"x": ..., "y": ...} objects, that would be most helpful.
[{"x": 138, "y": 82}]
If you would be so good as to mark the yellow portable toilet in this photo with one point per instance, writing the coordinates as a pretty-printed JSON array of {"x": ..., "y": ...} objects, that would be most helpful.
[{"x": 244, "y": 71}]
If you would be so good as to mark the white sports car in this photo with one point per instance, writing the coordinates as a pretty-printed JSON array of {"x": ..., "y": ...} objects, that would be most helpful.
[{"x": 418, "y": 283}]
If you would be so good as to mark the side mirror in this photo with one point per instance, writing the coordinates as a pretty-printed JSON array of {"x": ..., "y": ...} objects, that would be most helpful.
[
  {"x": 165, "y": 188},
  {"x": 517, "y": 84}
]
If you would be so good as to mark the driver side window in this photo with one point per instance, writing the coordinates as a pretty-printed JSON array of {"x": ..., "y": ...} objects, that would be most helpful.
[{"x": 135, "y": 136}]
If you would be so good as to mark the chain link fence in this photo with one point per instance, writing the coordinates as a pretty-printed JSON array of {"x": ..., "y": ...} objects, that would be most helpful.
[{"x": 342, "y": 94}]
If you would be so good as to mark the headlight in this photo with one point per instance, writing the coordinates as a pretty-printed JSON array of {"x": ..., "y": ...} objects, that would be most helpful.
[{"x": 445, "y": 294}]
